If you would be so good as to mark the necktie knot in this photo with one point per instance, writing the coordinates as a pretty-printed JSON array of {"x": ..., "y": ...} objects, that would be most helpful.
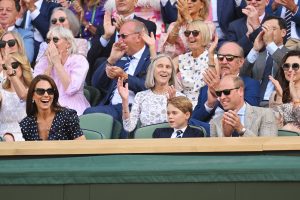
[{"x": 179, "y": 133}]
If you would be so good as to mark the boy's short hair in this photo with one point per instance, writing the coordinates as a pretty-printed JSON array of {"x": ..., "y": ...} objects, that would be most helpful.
[{"x": 182, "y": 103}]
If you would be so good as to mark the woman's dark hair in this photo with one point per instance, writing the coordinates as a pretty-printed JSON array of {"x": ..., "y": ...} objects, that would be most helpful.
[
  {"x": 286, "y": 96},
  {"x": 31, "y": 108}
]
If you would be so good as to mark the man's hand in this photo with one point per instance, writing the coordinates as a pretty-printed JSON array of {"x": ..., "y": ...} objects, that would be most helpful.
[
  {"x": 114, "y": 72},
  {"x": 231, "y": 118},
  {"x": 259, "y": 42},
  {"x": 227, "y": 129},
  {"x": 118, "y": 50},
  {"x": 289, "y": 4},
  {"x": 212, "y": 79},
  {"x": 109, "y": 29},
  {"x": 268, "y": 36},
  {"x": 252, "y": 16},
  {"x": 120, "y": 20}
]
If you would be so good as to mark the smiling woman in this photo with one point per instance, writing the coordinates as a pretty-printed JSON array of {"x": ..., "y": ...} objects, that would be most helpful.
[{"x": 46, "y": 119}]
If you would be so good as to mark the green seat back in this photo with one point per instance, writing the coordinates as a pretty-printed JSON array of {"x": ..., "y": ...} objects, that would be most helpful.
[
  {"x": 287, "y": 133},
  {"x": 87, "y": 95},
  {"x": 117, "y": 128},
  {"x": 147, "y": 131},
  {"x": 92, "y": 135},
  {"x": 97, "y": 122},
  {"x": 95, "y": 95},
  {"x": 201, "y": 129}
]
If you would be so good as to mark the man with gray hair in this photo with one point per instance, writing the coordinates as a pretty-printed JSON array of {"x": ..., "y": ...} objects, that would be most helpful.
[{"x": 129, "y": 59}]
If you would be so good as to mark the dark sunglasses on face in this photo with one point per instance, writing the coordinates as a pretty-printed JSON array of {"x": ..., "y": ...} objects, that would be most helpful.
[
  {"x": 195, "y": 33},
  {"x": 225, "y": 92},
  {"x": 60, "y": 19},
  {"x": 14, "y": 65},
  {"x": 10, "y": 43},
  {"x": 41, "y": 91},
  {"x": 194, "y": 1},
  {"x": 287, "y": 66},
  {"x": 124, "y": 36},
  {"x": 229, "y": 57},
  {"x": 55, "y": 40}
]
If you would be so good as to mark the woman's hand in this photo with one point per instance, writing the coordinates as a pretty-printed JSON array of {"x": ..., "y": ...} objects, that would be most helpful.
[
  {"x": 213, "y": 45},
  {"x": 78, "y": 9},
  {"x": 277, "y": 86},
  {"x": 123, "y": 91},
  {"x": 183, "y": 11},
  {"x": 171, "y": 91},
  {"x": 54, "y": 56}
]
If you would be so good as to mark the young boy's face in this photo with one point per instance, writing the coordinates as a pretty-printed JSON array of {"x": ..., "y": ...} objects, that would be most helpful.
[{"x": 177, "y": 119}]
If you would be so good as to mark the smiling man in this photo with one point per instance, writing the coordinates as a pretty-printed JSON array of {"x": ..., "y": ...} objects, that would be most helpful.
[{"x": 240, "y": 119}]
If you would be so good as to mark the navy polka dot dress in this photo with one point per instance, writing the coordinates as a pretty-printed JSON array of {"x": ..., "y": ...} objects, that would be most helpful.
[{"x": 65, "y": 126}]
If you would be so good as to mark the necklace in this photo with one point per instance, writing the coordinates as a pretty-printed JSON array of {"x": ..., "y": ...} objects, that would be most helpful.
[{"x": 159, "y": 92}]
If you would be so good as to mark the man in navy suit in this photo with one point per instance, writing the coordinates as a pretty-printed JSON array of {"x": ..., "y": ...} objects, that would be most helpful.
[
  {"x": 9, "y": 10},
  {"x": 106, "y": 34},
  {"x": 179, "y": 111},
  {"x": 231, "y": 59},
  {"x": 36, "y": 17},
  {"x": 245, "y": 30},
  {"x": 129, "y": 59}
]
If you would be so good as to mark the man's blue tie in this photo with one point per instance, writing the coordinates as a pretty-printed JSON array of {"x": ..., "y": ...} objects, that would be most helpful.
[{"x": 265, "y": 78}]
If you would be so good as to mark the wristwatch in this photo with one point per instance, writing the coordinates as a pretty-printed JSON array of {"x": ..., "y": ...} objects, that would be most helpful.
[{"x": 241, "y": 133}]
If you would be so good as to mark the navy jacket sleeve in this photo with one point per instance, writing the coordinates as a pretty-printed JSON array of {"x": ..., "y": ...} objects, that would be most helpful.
[{"x": 252, "y": 91}]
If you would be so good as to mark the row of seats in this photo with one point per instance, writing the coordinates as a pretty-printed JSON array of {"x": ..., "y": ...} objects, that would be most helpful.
[{"x": 102, "y": 126}]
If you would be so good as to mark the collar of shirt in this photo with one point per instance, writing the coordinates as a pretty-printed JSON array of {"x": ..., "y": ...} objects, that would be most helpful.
[
  {"x": 262, "y": 17},
  {"x": 38, "y": 4},
  {"x": 139, "y": 54},
  {"x": 11, "y": 28},
  {"x": 241, "y": 113},
  {"x": 182, "y": 129},
  {"x": 131, "y": 16}
]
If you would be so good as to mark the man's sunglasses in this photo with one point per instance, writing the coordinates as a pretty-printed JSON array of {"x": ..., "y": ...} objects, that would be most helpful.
[
  {"x": 225, "y": 92},
  {"x": 124, "y": 36},
  {"x": 60, "y": 19},
  {"x": 41, "y": 91},
  {"x": 14, "y": 65},
  {"x": 10, "y": 43},
  {"x": 195, "y": 33},
  {"x": 228, "y": 57},
  {"x": 55, "y": 40},
  {"x": 287, "y": 66}
]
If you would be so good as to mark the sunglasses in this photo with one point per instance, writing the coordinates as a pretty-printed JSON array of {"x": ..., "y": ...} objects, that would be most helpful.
[
  {"x": 14, "y": 65},
  {"x": 195, "y": 33},
  {"x": 60, "y": 19},
  {"x": 10, "y": 43},
  {"x": 124, "y": 36},
  {"x": 225, "y": 92},
  {"x": 55, "y": 40},
  {"x": 229, "y": 57},
  {"x": 287, "y": 66},
  {"x": 194, "y": 1},
  {"x": 41, "y": 91}
]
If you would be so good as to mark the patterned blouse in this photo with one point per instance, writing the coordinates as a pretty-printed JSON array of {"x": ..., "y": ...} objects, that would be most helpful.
[
  {"x": 191, "y": 72},
  {"x": 289, "y": 114},
  {"x": 65, "y": 126},
  {"x": 148, "y": 108}
]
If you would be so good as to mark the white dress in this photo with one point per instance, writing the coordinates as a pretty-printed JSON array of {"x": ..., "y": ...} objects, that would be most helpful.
[
  {"x": 12, "y": 111},
  {"x": 149, "y": 108},
  {"x": 191, "y": 72}
]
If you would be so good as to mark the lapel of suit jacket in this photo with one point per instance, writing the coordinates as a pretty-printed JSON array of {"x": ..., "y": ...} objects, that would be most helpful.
[
  {"x": 219, "y": 10},
  {"x": 143, "y": 60},
  {"x": 248, "y": 116}
]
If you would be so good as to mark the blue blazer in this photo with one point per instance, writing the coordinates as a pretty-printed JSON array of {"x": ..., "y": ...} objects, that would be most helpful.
[
  {"x": 295, "y": 18},
  {"x": 42, "y": 21},
  {"x": 28, "y": 40},
  {"x": 252, "y": 96},
  {"x": 136, "y": 83},
  {"x": 167, "y": 132}
]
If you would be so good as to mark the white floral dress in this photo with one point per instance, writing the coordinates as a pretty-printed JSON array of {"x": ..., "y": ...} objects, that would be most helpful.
[{"x": 191, "y": 73}]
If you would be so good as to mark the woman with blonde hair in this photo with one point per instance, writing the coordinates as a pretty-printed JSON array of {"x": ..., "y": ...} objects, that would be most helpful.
[
  {"x": 174, "y": 42},
  {"x": 13, "y": 93}
]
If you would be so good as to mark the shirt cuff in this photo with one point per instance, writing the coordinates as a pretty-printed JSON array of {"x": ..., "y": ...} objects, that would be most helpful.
[
  {"x": 34, "y": 14},
  {"x": 19, "y": 21},
  {"x": 252, "y": 56},
  {"x": 271, "y": 48},
  {"x": 208, "y": 109},
  {"x": 103, "y": 41}
]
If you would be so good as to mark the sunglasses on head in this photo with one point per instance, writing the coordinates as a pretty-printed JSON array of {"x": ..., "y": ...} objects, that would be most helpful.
[
  {"x": 124, "y": 36},
  {"x": 14, "y": 65},
  {"x": 60, "y": 19},
  {"x": 228, "y": 57},
  {"x": 55, "y": 40},
  {"x": 287, "y": 66},
  {"x": 10, "y": 43},
  {"x": 225, "y": 92},
  {"x": 195, "y": 33},
  {"x": 41, "y": 91}
]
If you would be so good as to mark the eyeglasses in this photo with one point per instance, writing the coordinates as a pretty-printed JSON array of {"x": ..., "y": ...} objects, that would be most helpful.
[
  {"x": 195, "y": 33},
  {"x": 228, "y": 57},
  {"x": 10, "y": 43},
  {"x": 225, "y": 92},
  {"x": 60, "y": 19},
  {"x": 287, "y": 66},
  {"x": 41, "y": 91},
  {"x": 124, "y": 36},
  {"x": 55, "y": 40},
  {"x": 14, "y": 65}
]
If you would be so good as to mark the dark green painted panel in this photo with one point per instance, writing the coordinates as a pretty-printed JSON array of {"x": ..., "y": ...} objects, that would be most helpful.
[
  {"x": 76, "y": 192},
  {"x": 190, "y": 191},
  {"x": 32, "y": 192}
]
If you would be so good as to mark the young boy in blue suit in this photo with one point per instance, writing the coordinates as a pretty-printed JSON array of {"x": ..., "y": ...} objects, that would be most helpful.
[{"x": 179, "y": 111}]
